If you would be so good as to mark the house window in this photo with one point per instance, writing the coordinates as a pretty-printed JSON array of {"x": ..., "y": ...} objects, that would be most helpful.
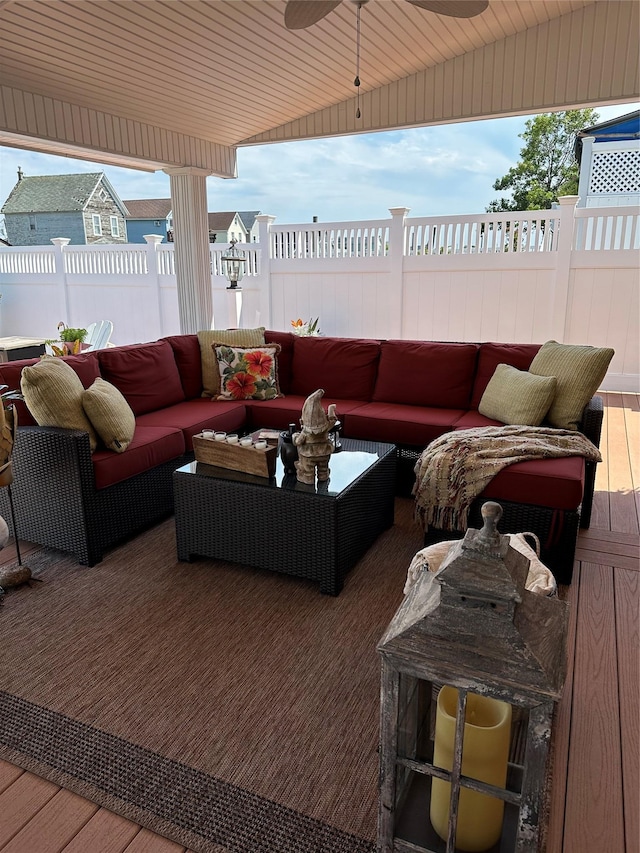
[
  {"x": 32, "y": 222},
  {"x": 115, "y": 226},
  {"x": 97, "y": 225},
  {"x": 103, "y": 194}
]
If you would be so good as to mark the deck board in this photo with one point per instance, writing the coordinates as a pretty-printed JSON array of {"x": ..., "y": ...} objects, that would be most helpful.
[
  {"x": 105, "y": 832},
  {"x": 594, "y": 809},
  {"x": 627, "y": 595},
  {"x": 624, "y": 515},
  {"x": 8, "y": 774},
  {"x": 149, "y": 842},
  {"x": 20, "y": 803},
  {"x": 562, "y": 729}
]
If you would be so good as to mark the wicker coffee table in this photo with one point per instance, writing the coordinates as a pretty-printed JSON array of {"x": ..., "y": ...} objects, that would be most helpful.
[{"x": 315, "y": 532}]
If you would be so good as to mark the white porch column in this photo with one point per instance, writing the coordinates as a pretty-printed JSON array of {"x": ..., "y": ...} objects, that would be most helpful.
[
  {"x": 396, "y": 258},
  {"x": 191, "y": 241}
]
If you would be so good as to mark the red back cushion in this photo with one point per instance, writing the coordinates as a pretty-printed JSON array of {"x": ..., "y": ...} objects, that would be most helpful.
[
  {"x": 423, "y": 373},
  {"x": 491, "y": 355},
  {"x": 86, "y": 366},
  {"x": 284, "y": 358},
  {"x": 186, "y": 351},
  {"x": 344, "y": 367},
  {"x": 146, "y": 374}
]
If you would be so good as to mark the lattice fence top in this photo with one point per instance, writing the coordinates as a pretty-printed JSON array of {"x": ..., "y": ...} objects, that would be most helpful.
[{"x": 615, "y": 172}]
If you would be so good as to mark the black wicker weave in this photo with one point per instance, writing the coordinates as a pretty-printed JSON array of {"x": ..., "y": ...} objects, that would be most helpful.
[
  {"x": 57, "y": 504},
  {"x": 283, "y": 525}
]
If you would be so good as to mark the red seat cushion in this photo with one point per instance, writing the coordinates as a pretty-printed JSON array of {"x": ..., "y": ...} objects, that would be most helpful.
[
  {"x": 556, "y": 483},
  {"x": 146, "y": 374},
  {"x": 398, "y": 424},
  {"x": 344, "y": 367},
  {"x": 491, "y": 355},
  {"x": 422, "y": 373},
  {"x": 192, "y": 416},
  {"x": 151, "y": 446},
  {"x": 470, "y": 420}
]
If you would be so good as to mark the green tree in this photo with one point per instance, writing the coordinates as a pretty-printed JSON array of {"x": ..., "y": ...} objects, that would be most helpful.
[{"x": 547, "y": 167}]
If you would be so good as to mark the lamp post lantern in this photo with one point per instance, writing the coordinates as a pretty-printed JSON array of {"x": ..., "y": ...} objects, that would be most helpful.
[
  {"x": 472, "y": 665},
  {"x": 233, "y": 265}
]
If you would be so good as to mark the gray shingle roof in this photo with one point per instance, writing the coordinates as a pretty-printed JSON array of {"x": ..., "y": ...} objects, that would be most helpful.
[
  {"x": 248, "y": 218},
  {"x": 52, "y": 193},
  {"x": 221, "y": 221},
  {"x": 148, "y": 208}
]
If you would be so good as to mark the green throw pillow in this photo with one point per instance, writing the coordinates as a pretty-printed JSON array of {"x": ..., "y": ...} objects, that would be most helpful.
[
  {"x": 53, "y": 393},
  {"x": 231, "y": 337},
  {"x": 517, "y": 397},
  {"x": 579, "y": 371},
  {"x": 110, "y": 414}
]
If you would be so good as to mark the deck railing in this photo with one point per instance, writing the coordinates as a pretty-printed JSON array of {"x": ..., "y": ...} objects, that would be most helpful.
[{"x": 523, "y": 276}]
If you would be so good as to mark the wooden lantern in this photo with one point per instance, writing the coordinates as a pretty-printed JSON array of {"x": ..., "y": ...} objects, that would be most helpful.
[{"x": 472, "y": 666}]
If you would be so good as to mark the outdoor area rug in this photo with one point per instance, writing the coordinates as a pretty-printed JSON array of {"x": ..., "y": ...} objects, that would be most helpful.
[{"x": 230, "y": 709}]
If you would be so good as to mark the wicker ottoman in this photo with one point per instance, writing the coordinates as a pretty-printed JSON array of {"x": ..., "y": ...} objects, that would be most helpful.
[{"x": 315, "y": 532}]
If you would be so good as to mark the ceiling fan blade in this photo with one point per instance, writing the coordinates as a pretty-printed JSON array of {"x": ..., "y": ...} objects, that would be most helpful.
[
  {"x": 453, "y": 8},
  {"x": 300, "y": 14}
]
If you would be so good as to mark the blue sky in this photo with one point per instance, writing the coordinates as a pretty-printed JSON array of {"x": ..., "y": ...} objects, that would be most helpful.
[{"x": 433, "y": 170}]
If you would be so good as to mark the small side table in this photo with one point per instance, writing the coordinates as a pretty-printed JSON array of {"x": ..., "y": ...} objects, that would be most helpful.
[{"x": 13, "y": 349}]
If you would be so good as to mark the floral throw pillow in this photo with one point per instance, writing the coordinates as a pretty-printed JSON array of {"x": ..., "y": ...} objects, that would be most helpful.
[{"x": 248, "y": 373}]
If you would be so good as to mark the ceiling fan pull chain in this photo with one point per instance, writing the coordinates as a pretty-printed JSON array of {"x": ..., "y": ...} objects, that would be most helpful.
[{"x": 356, "y": 82}]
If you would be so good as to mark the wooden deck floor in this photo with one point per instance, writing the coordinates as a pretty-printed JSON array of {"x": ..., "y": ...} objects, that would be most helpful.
[{"x": 596, "y": 781}]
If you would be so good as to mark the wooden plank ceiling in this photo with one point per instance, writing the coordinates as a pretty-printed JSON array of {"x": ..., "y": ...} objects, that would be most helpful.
[{"x": 167, "y": 80}]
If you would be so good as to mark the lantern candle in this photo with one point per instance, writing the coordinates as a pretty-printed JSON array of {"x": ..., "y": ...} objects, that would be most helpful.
[{"x": 485, "y": 753}]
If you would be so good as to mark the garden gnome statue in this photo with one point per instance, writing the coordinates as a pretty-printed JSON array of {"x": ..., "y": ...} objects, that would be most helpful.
[{"x": 313, "y": 442}]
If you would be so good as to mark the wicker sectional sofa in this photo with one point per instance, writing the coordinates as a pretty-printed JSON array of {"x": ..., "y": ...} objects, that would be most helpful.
[{"x": 404, "y": 392}]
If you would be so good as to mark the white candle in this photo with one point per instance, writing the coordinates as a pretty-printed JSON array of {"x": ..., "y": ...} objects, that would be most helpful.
[
  {"x": 485, "y": 753},
  {"x": 246, "y": 441},
  {"x": 260, "y": 445},
  {"x": 233, "y": 438},
  {"x": 220, "y": 436}
]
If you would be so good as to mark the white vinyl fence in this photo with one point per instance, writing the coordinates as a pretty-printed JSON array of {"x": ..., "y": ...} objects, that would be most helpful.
[{"x": 526, "y": 276}]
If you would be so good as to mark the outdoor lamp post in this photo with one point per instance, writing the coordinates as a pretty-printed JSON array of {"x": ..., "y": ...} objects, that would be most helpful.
[
  {"x": 472, "y": 665},
  {"x": 233, "y": 265}
]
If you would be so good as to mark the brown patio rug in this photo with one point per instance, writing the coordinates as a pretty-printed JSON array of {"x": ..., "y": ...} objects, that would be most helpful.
[{"x": 230, "y": 709}]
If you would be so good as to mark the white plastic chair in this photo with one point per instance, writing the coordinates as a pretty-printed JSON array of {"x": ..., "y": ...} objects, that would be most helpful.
[{"x": 98, "y": 335}]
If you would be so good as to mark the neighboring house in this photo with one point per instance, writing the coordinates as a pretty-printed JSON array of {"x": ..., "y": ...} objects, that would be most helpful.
[
  {"x": 248, "y": 218},
  {"x": 85, "y": 208},
  {"x": 609, "y": 158},
  {"x": 148, "y": 216},
  {"x": 225, "y": 227}
]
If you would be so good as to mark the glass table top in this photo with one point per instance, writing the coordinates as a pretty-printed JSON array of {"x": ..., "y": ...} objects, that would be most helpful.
[{"x": 345, "y": 467}]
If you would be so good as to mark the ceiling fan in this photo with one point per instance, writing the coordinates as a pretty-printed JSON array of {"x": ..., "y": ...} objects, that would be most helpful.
[{"x": 300, "y": 14}]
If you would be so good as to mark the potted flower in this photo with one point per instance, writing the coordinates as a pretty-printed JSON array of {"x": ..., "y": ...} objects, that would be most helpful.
[
  {"x": 71, "y": 340},
  {"x": 306, "y": 328}
]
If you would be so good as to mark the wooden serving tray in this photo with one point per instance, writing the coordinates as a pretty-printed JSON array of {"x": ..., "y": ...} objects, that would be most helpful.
[{"x": 236, "y": 457}]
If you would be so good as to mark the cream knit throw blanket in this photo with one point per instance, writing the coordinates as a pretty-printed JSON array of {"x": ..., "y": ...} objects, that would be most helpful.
[{"x": 454, "y": 469}]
